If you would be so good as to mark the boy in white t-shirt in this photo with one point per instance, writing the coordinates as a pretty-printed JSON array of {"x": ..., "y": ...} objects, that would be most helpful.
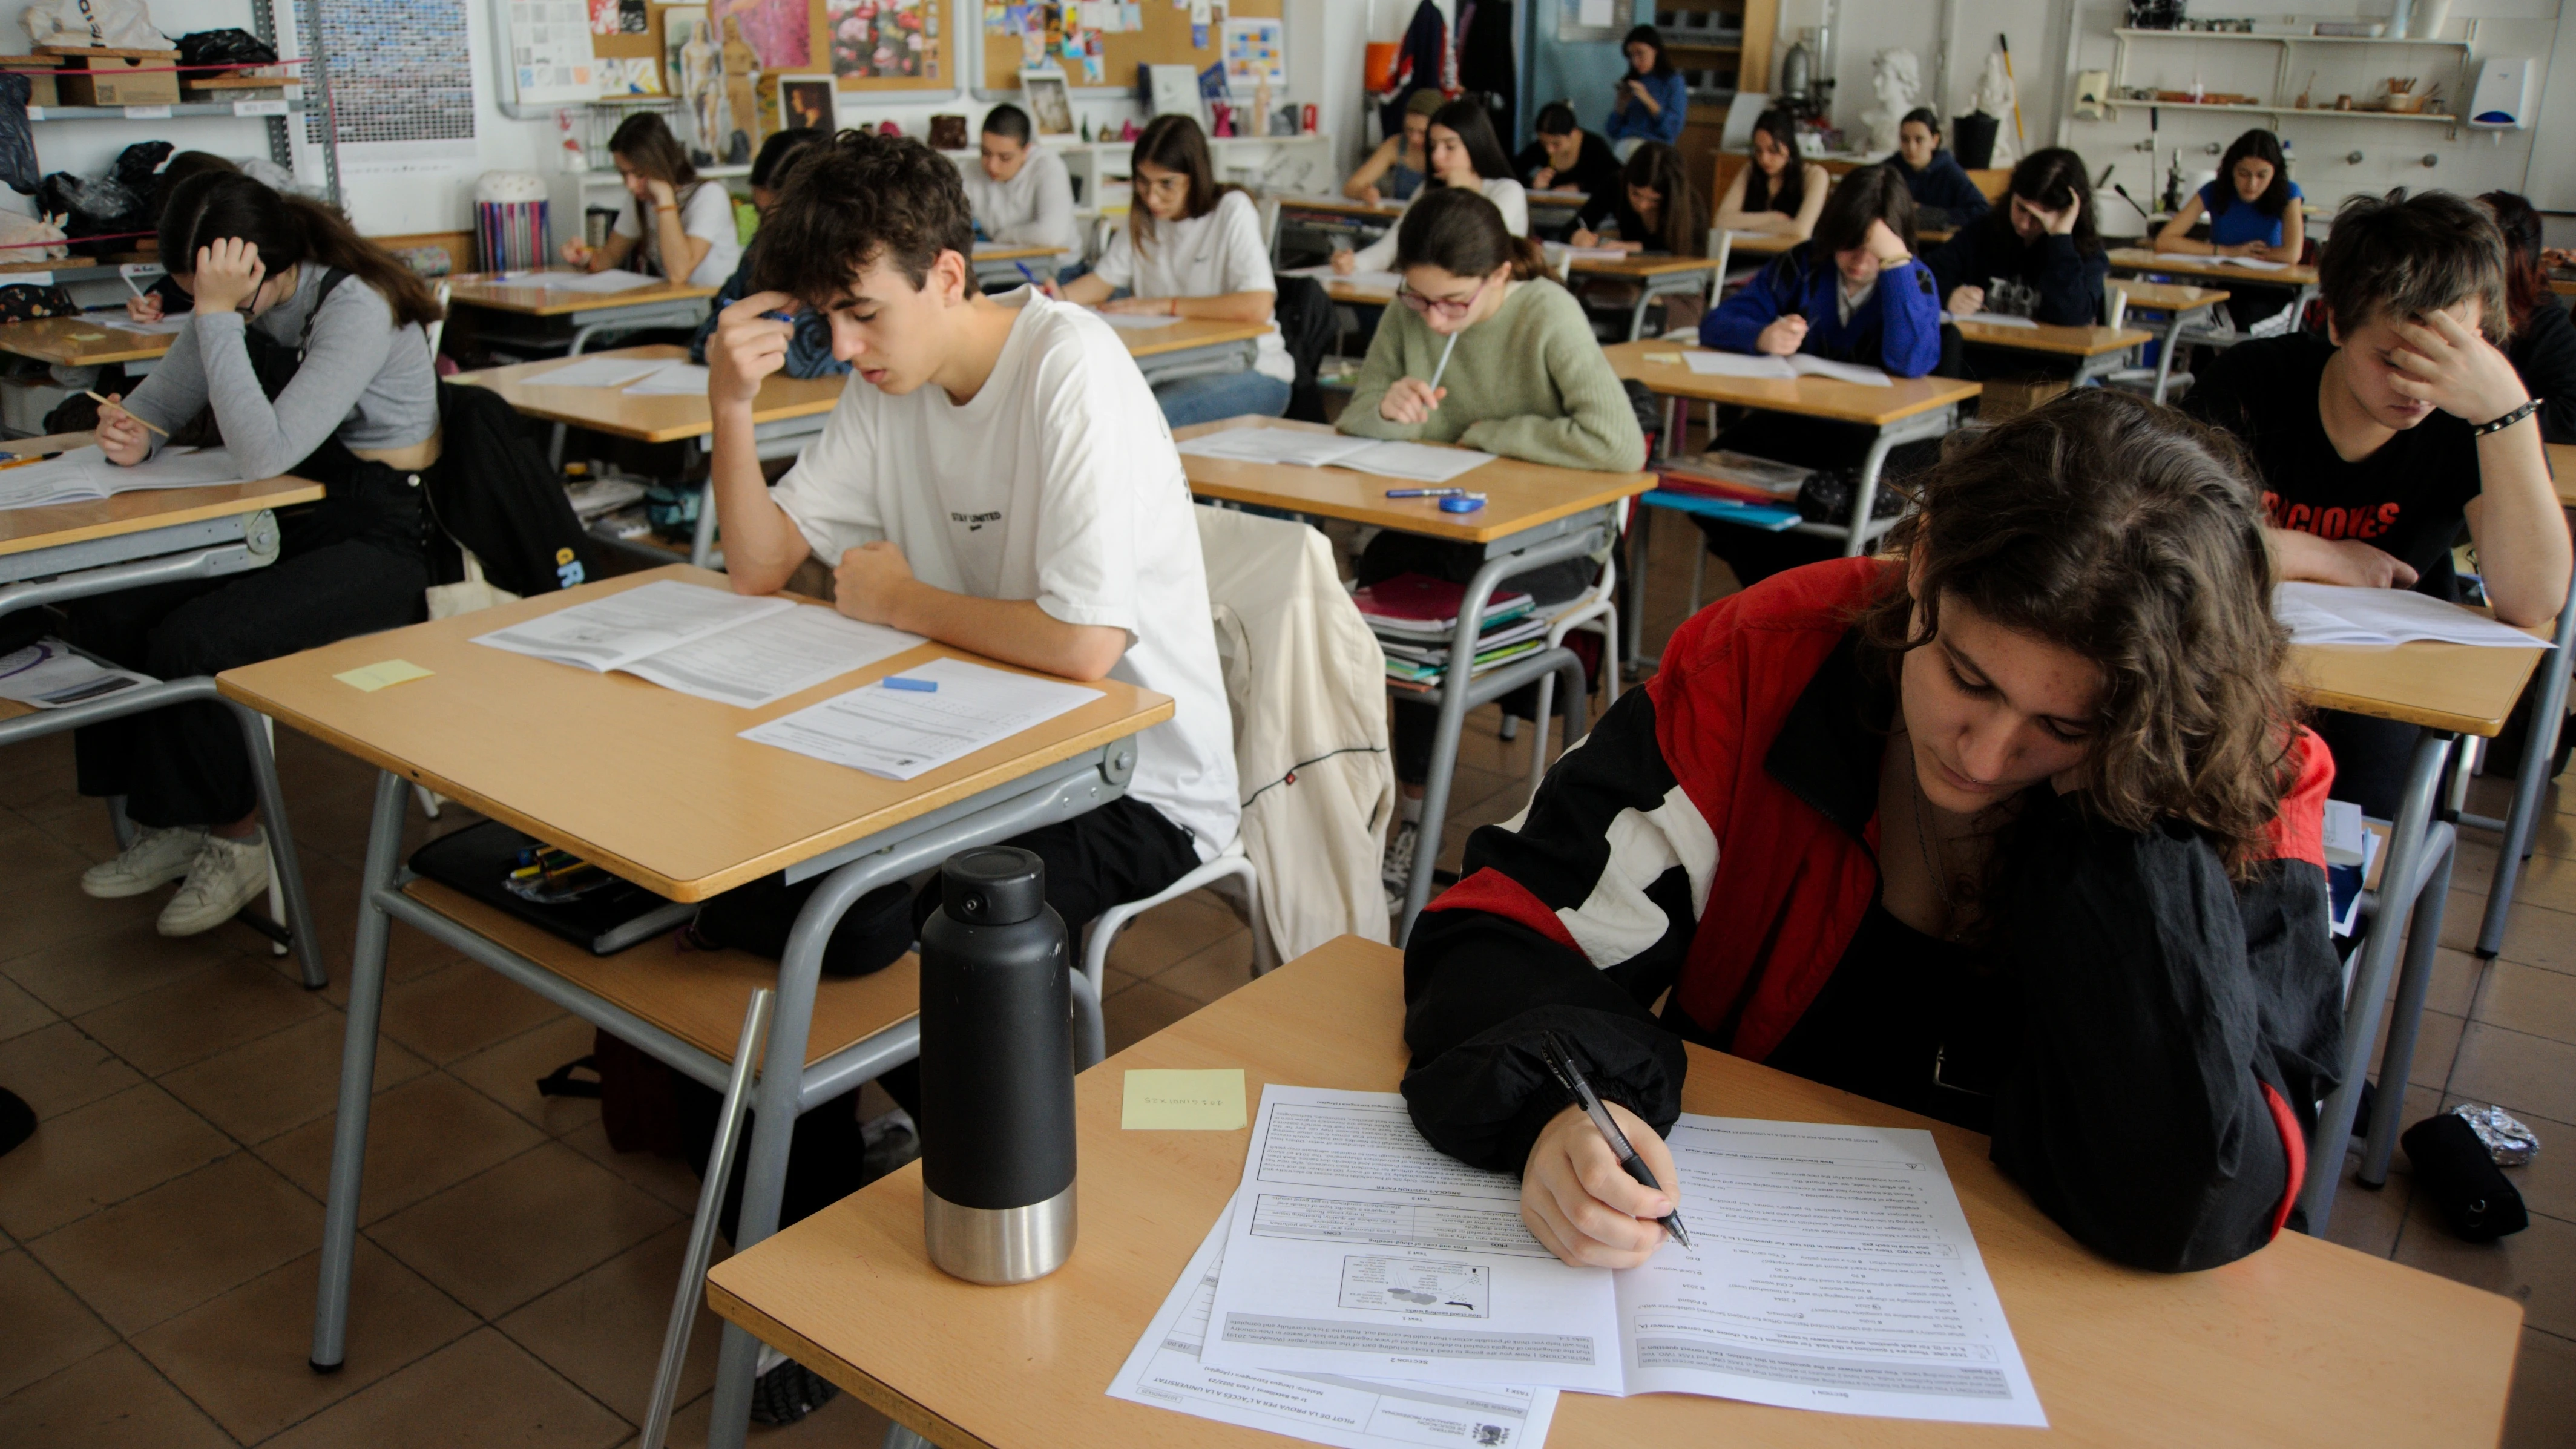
[{"x": 996, "y": 477}]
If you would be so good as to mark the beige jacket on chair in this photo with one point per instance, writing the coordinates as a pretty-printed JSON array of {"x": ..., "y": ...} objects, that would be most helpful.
[{"x": 1308, "y": 688}]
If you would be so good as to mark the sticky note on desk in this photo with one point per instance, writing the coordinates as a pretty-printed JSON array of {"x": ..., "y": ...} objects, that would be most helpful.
[
  {"x": 372, "y": 677},
  {"x": 1162, "y": 1100}
]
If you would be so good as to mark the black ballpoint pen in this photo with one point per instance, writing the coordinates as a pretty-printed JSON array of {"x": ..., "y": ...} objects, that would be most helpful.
[{"x": 1560, "y": 1060}]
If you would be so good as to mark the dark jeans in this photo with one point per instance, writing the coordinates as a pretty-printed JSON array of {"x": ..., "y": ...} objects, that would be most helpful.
[
  {"x": 1390, "y": 554},
  {"x": 352, "y": 564},
  {"x": 2370, "y": 758}
]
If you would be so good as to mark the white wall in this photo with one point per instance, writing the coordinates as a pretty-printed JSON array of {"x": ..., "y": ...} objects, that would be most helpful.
[{"x": 88, "y": 148}]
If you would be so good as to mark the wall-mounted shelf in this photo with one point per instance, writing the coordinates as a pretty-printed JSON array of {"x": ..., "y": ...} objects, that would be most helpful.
[
  {"x": 2457, "y": 83},
  {"x": 2124, "y": 33},
  {"x": 2326, "y": 112}
]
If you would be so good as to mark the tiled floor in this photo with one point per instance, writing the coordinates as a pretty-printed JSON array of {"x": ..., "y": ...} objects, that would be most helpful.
[{"x": 157, "y": 1236}]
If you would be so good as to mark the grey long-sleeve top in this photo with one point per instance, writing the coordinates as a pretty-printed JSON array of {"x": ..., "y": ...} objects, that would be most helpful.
[{"x": 364, "y": 381}]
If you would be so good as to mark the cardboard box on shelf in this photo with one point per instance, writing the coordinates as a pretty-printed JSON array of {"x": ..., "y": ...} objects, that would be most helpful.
[{"x": 115, "y": 77}]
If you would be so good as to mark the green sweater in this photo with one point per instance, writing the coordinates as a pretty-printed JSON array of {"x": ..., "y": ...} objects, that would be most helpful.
[{"x": 1528, "y": 382}]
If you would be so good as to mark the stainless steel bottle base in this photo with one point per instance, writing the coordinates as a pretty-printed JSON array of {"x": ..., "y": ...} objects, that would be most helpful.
[{"x": 998, "y": 1245}]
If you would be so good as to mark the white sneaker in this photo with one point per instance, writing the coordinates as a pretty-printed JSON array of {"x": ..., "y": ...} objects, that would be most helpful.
[
  {"x": 226, "y": 876},
  {"x": 158, "y": 856},
  {"x": 1397, "y": 873}
]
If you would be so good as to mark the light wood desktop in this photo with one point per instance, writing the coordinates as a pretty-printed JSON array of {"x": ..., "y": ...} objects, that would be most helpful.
[
  {"x": 528, "y": 295},
  {"x": 2304, "y": 1342},
  {"x": 1816, "y": 397},
  {"x": 2562, "y": 468},
  {"x": 1385, "y": 211},
  {"x": 2170, "y": 296},
  {"x": 2457, "y": 687},
  {"x": 92, "y": 340},
  {"x": 1353, "y": 294},
  {"x": 1558, "y": 198},
  {"x": 1637, "y": 267},
  {"x": 1519, "y": 496},
  {"x": 1188, "y": 332},
  {"x": 1761, "y": 243},
  {"x": 2563, "y": 286},
  {"x": 2144, "y": 260},
  {"x": 664, "y": 418},
  {"x": 24, "y": 529},
  {"x": 652, "y": 784},
  {"x": 2051, "y": 339},
  {"x": 1006, "y": 253}
]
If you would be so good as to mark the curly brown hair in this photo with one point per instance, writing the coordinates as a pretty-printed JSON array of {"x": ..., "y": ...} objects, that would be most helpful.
[
  {"x": 2133, "y": 536},
  {"x": 862, "y": 199}
]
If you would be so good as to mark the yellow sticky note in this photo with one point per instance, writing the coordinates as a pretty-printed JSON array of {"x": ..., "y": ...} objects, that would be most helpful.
[
  {"x": 373, "y": 677},
  {"x": 1183, "y": 1101},
  {"x": 1671, "y": 357}
]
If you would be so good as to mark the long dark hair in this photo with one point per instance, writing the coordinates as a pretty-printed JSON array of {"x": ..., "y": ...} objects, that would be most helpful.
[
  {"x": 2526, "y": 281},
  {"x": 2054, "y": 179},
  {"x": 1463, "y": 234},
  {"x": 1649, "y": 35},
  {"x": 1657, "y": 167},
  {"x": 2259, "y": 145},
  {"x": 1174, "y": 143},
  {"x": 647, "y": 144},
  {"x": 1782, "y": 128},
  {"x": 1868, "y": 194},
  {"x": 289, "y": 231},
  {"x": 1475, "y": 130},
  {"x": 2131, "y": 535}
]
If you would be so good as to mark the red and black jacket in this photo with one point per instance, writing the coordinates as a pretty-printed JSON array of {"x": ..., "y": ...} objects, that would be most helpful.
[{"x": 1716, "y": 838}]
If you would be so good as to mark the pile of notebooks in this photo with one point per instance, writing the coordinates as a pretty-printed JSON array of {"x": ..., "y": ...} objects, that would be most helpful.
[
  {"x": 1739, "y": 487},
  {"x": 1413, "y": 616}
]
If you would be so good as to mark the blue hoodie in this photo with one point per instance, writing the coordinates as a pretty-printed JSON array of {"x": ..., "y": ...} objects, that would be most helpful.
[
  {"x": 1944, "y": 185},
  {"x": 1898, "y": 328}
]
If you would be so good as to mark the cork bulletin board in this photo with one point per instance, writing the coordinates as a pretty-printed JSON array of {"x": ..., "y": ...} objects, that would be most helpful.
[
  {"x": 864, "y": 45},
  {"x": 1165, "y": 33}
]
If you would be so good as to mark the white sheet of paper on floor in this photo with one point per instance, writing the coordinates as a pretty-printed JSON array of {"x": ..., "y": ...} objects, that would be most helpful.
[
  {"x": 49, "y": 675},
  {"x": 2343, "y": 614},
  {"x": 902, "y": 734}
]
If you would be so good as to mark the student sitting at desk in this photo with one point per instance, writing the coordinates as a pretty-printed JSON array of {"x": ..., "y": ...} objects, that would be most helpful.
[
  {"x": 1192, "y": 248},
  {"x": 2376, "y": 441},
  {"x": 1562, "y": 156},
  {"x": 2042, "y": 237},
  {"x": 1653, "y": 103},
  {"x": 680, "y": 227},
  {"x": 1944, "y": 196},
  {"x": 308, "y": 345},
  {"x": 2254, "y": 208},
  {"x": 1519, "y": 374},
  {"x": 809, "y": 351},
  {"x": 1654, "y": 208},
  {"x": 165, "y": 297},
  {"x": 1020, "y": 190},
  {"x": 1778, "y": 194},
  {"x": 2019, "y": 833},
  {"x": 1394, "y": 171},
  {"x": 2543, "y": 348},
  {"x": 1852, "y": 293},
  {"x": 1464, "y": 154}
]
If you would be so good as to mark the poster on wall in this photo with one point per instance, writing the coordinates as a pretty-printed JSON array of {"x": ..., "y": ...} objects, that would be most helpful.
[
  {"x": 550, "y": 56},
  {"x": 778, "y": 31},
  {"x": 1256, "y": 51},
  {"x": 883, "y": 39}
]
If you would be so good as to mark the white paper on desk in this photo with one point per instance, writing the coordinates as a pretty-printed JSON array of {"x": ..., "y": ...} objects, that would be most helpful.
[
  {"x": 1420, "y": 462},
  {"x": 599, "y": 372},
  {"x": 1277, "y": 445},
  {"x": 615, "y": 279},
  {"x": 1164, "y": 1372},
  {"x": 621, "y": 628},
  {"x": 1134, "y": 321},
  {"x": 84, "y": 475},
  {"x": 49, "y": 675},
  {"x": 1364, "y": 280},
  {"x": 671, "y": 379},
  {"x": 2253, "y": 264},
  {"x": 902, "y": 734},
  {"x": 159, "y": 327},
  {"x": 1993, "y": 319},
  {"x": 770, "y": 657},
  {"x": 1595, "y": 254},
  {"x": 2340, "y": 614},
  {"x": 1738, "y": 364}
]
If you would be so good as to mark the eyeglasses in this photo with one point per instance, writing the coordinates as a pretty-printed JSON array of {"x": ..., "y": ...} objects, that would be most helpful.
[{"x": 1441, "y": 305}]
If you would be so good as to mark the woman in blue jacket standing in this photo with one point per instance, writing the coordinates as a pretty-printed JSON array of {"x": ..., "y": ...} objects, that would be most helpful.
[{"x": 1654, "y": 102}]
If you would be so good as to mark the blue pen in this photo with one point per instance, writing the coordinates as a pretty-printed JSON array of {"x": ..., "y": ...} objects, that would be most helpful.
[
  {"x": 1431, "y": 493},
  {"x": 1025, "y": 272},
  {"x": 916, "y": 686}
]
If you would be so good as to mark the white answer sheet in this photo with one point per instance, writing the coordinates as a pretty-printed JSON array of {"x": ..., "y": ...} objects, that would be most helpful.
[
  {"x": 158, "y": 327},
  {"x": 1415, "y": 462},
  {"x": 2340, "y": 614},
  {"x": 1737, "y": 364},
  {"x": 772, "y": 656},
  {"x": 1373, "y": 281},
  {"x": 671, "y": 379},
  {"x": 2251, "y": 264},
  {"x": 1832, "y": 1270},
  {"x": 615, "y": 279},
  {"x": 1165, "y": 1372},
  {"x": 1420, "y": 462},
  {"x": 901, "y": 733},
  {"x": 1994, "y": 319},
  {"x": 606, "y": 633},
  {"x": 84, "y": 475},
  {"x": 1135, "y": 321},
  {"x": 599, "y": 372}
]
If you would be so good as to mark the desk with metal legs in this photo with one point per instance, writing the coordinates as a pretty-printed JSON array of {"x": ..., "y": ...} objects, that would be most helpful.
[{"x": 560, "y": 317}]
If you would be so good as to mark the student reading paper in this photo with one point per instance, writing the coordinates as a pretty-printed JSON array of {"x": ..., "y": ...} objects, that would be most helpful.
[
  {"x": 1466, "y": 156},
  {"x": 2042, "y": 237},
  {"x": 2019, "y": 832},
  {"x": 680, "y": 227},
  {"x": 1021, "y": 192},
  {"x": 1777, "y": 192}
]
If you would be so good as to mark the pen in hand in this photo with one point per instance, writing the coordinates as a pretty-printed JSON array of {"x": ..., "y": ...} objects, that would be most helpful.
[{"x": 1560, "y": 1061}]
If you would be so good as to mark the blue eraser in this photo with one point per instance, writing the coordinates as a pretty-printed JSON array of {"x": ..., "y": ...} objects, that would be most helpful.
[
  {"x": 917, "y": 686},
  {"x": 1461, "y": 505}
]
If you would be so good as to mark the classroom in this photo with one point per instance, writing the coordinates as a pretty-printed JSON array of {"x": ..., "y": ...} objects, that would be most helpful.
[{"x": 2001, "y": 870}]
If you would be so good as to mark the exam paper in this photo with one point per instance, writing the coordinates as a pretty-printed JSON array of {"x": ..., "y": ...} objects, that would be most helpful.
[
  {"x": 1737, "y": 364},
  {"x": 1165, "y": 1372},
  {"x": 671, "y": 379},
  {"x": 2252, "y": 264},
  {"x": 1420, "y": 462},
  {"x": 2340, "y": 614},
  {"x": 615, "y": 279},
  {"x": 1994, "y": 319},
  {"x": 1417, "y": 461},
  {"x": 902, "y": 734},
  {"x": 599, "y": 372},
  {"x": 611, "y": 632},
  {"x": 84, "y": 475},
  {"x": 767, "y": 658},
  {"x": 1134, "y": 321},
  {"x": 162, "y": 327},
  {"x": 1371, "y": 281},
  {"x": 49, "y": 675}
]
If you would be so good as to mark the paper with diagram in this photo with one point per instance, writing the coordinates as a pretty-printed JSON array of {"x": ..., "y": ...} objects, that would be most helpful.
[
  {"x": 1833, "y": 1270},
  {"x": 905, "y": 733},
  {"x": 1165, "y": 1372}
]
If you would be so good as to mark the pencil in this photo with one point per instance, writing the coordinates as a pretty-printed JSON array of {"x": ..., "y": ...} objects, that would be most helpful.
[
  {"x": 1435, "y": 372},
  {"x": 120, "y": 407}
]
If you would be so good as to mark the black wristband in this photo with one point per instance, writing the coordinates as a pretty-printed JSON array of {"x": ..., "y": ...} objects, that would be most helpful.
[{"x": 2508, "y": 420}]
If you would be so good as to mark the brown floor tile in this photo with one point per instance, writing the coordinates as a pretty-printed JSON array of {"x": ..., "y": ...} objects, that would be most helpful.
[
  {"x": 2528, "y": 1071},
  {"x": 21, "y": 1013},
  {"x": 281, "y": 1081},
  {"x": 2536, "y": 1266},
  {"x": 2545, "y": 880},
  {"x": 603, "y": 1330},
  {"x": 2529, "y": 1000},
  {"x": 1212, "y": 972},
  {"x": 103, "y": 1153},
  {"x": 182, "y": 1243},
  {"x": 61, "y": 1067},
  {"x": 2542, "y": 1412},
  {"x": 47, "y": 907},
  {"x": 2534, "y": 935},
  {"x": 2437, "y": 1042},
  {"x": 246, "y": 1357},
  {"x": 45, "y": 1329},
  {"x": 508, "y": 1072},
  {"x": 86, "y": 832},
  {"x": 190, "y": 1020},
  {"x": 2454, "y": 988},
  {"x": 110, "y": 1400},
  {"x": 87, "y": 973},
  {"x": 461, "y": 1009},
  {"x": 41, "y": 791},
  {"x": 426, "y": 1134},
  {"x": 482, "y": 1390},
  {"x": 844, "y": 1423},
  {"x": 1170, "y": 933},
  {"x": 666, "y": 1180},
  {"x": 511, "y": 1234},
  {"x": 332, "y": 888}
]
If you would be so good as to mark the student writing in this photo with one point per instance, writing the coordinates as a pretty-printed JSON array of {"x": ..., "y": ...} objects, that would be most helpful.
[
  {"x": 2018, "y": 832},
  {"x": 1852, "y": 293},
  {"x": 679, "y": 227},
  {"x": 1654, "y": 208},
  {"x": 1021, "y": 193},
  {"x": 1653, "y": 101},
  {"x": 2543, "y": 345},
  {"x": 1394, "y": 171},
  {"x": 166, "y": 298},
  {"x": 809, "y": 348},
  {"x": 307, "y": 344},
  {"x": 1777, "y": 194},
  {"x": 1464, "y": 154},
  {"x": 1562, "y": 156},
  {"x": 2254, "y": 208},
  {"x": 2042, "y": 237},
  {"x": 1944, "y": 195}
]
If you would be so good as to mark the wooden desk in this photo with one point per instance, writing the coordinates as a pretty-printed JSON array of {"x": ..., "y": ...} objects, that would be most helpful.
[
  {"x": 2455, "y": 687},
  {"x": 659, "y": 788},
  {"x": 665, "y": 418},
  {"x": 1653, "y": 276},
  {"x": 2563, "y": 286},
  {"x": 2304, "y": 1342},
  {"x": 1557, "y": 199},
  {"x": 92, "y": 340},
  {"x": 2179, "y": 304},
  {"x": 1760, "y": 243},
  {"x": 2084, "y": 342},
  {"x": 2141, "y": 259},
  {"x": 1342, "y": 206},
  {"x": 129, "y": 515},
  {"x": 559, "y": 317},
  {"x": 1002, "y": 262},
  {"x": 1193, "y": 345}
]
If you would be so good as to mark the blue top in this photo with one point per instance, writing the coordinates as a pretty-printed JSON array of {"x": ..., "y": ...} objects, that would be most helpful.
[
  {"x": 809, "y": 347},
  {"x": 1943, "y": 186},
  {"x": 2234, "y": 221},
  {"x": 1670, "y": 92},
  {"x": 1897, "y": 328},
  {"x": 1400, "y": 181}
]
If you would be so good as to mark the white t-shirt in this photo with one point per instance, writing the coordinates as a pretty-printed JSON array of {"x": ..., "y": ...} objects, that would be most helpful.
[
  {"x": 707, "y": 211},
  {"x": 1507, "y": 195},
  {"x": 1057, "y": 482},
  {"x": 1032, "y": 209},
  {"x": 1202, "y": 256}
]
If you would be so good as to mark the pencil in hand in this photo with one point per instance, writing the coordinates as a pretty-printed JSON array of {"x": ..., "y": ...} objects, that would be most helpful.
[{"x": 120, "y": 407}]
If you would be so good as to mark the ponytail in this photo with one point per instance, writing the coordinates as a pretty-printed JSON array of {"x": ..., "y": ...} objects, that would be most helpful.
[
  {"x": 289, "y": 231},
  {"x": 1462, "y": 233}
]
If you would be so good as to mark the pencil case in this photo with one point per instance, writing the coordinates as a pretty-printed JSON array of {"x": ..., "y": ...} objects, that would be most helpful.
[{"x": 2453, "y": 1169}]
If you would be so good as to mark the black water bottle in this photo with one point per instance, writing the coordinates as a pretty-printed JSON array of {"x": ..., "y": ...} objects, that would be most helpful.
[{"x": 996, "y": 1072}]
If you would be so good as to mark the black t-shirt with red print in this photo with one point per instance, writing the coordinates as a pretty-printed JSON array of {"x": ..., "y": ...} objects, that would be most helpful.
[{"x": 2406, "y": 499}]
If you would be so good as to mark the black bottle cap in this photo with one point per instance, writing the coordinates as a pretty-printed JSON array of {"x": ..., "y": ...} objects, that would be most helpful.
[{"x": 993, "y": 885}]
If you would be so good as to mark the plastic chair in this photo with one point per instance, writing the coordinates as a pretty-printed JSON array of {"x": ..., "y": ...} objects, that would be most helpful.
[{"x": 1230, "y": 864}]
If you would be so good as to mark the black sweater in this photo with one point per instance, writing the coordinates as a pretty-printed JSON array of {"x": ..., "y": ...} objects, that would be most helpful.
[
  {"x": 2069, "y": 279},
  {"x": 1943, "y": 187},
  {"x": 2544, "y": 352},
  {"x": 1595, "y": 172}
]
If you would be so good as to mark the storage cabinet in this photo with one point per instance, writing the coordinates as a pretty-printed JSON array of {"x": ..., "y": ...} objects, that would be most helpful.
[{"x": 1720, "y": 47}]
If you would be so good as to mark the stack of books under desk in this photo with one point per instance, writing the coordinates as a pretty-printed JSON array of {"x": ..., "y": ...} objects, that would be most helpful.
[{"x": 1413, "y": 617}]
